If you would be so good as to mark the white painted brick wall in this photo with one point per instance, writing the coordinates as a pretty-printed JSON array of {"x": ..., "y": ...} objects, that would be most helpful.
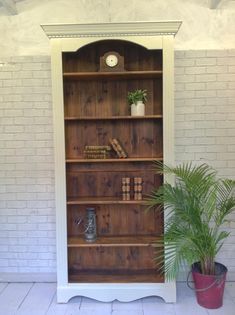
[
  {"x": 27, "y": 212},
  {"x": 205, "y": 120},
  {"x": 204, "y": 132}
]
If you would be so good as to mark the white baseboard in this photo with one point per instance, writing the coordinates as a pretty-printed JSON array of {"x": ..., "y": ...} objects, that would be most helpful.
[{"x": 27, "y": 277}]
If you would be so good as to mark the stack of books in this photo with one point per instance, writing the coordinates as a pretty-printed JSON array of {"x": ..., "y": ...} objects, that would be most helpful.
[
  {"x": 118, "y": 148},
  {"x": 97, "y": 151}
]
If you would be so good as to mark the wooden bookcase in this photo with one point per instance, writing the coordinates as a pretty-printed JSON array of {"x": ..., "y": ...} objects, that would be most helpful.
[
  {"x": 96, "y": 109},
  {"x": 90, "y": 108}
]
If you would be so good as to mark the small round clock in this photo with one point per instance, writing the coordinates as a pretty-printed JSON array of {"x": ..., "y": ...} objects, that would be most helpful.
[{"x": 111, "y": 61}]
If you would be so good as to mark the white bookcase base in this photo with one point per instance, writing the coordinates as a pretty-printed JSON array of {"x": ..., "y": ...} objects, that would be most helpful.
[{"x": 107, "y": 292}]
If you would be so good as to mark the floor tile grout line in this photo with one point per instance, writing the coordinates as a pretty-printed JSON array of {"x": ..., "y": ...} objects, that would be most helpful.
[
  {"x": 80, "y": 304},
  {"x": 142, "y": 306},
  {"x": 111, "y": 307},
  {"x": 50, "y": 302},
  {"x": 32, "y": 285},
  {"x": 4, "y": 288}
]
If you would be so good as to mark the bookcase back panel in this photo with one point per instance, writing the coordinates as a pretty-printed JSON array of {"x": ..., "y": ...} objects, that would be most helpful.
[
  {"x": 138, "y": 138},
  {"x": 106, "y": 183},
  {"x": 116, "y": 220},
  {"x": 104, "y": 98},
  {"x": 135, "y": 56},
  {"x": 123, "y": 165},
  {"x": 111, "y": 260}
]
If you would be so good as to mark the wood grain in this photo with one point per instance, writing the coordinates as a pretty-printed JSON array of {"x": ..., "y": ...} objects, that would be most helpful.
[
  {"x": 129, "y": 220},
  {"x": 111, "y": 260},
  {"x": 95, "y": 110},
  {"x": 140, "y": 138},
  {"x": 147, "y": 276},
  {"x": 111, "y": 76},
  {"x": 138, "y": 241}
]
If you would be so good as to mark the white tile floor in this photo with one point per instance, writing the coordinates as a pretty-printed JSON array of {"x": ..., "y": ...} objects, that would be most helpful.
[{"x": 40, "y": 299}]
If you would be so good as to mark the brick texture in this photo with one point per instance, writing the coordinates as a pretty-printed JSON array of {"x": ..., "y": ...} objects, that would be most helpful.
[
  {"x": 27, "y": 212},
  {"x": 205, "y": 122},
  {"x": 204, "y": 132}
]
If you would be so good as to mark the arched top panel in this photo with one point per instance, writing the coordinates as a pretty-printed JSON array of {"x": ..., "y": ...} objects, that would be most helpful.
[
  {"x": 136, "y": 57},
  {"x": 74, "y": 44}
]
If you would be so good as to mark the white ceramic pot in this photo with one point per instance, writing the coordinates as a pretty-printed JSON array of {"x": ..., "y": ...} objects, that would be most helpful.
[{"x": 138, "y": 109}]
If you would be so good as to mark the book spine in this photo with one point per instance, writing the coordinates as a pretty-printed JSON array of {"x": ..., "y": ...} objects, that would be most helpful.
[
  {"x": 120, "y": 148},
  {"x": 138, "y": 187},
  {"x": 97, "y": 147},
  {"x": 126, "y": 188},
  {"x": 102, "y": 154},
  {"x": 115, "y": 148},
  {"x": 97, "y": 152}
]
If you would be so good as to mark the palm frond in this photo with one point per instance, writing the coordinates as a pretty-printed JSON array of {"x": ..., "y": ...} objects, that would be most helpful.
[{"x": 197, "y": 205}]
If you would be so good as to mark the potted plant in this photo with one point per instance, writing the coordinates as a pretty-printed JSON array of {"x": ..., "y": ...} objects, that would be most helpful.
[
  {"x": 197, "y": 207},
  {"x": 136, "y": 100}
]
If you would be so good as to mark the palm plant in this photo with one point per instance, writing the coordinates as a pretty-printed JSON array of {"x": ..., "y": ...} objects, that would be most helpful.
[{"x": 197, "y": 206}]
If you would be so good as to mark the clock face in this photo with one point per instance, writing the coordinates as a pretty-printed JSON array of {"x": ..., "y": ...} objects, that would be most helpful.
[{"x": 111, "y": 60}]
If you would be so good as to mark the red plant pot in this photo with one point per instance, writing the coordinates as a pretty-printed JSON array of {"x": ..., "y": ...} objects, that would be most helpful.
[{"x": 209, "y": 288}]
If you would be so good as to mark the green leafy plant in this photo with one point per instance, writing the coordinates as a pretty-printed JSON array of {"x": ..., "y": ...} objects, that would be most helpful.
[
  {"x": 137, "y": 95},
  {"x": 197, "y": 207}
]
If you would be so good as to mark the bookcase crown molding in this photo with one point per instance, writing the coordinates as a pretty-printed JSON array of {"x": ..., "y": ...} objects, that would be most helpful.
[{"x": 112, "y": 29}]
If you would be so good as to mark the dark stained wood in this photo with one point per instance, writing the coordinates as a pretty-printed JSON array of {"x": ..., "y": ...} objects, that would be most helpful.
[
  {"x": 92, "y": 276},
  {"x": 136, "y": 58},
  {"x": 102, "y": 201},
  {"x": 109, "y": 98},
  {"x": 135, "y": 165},
  {"x": 115, "y": 117},
  {"x": 116, "y": 160},
  {"x": 112, "y": 76},
  {"x": 110, "y": 260},
  {"x": 95, "y": 110},
  {"x": 138, "y": 241},
  {"x": 140, "y": 138},
  {"x": 129, "y": 220},
  {"x": 106, "y": 184}
]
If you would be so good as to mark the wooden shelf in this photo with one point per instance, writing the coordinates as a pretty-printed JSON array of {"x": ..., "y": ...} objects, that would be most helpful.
[
  {"x": 116, "y": 160},
  {"x": 115, "y": 117},
  {"x": 116, "y": 276},
  {"x": 115, "y": 241},
  {"x": 112, "y": 75},
  {"x": 103, "y": 200}
]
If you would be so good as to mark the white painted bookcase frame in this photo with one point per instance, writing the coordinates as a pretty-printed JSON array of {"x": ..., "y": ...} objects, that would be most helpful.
[{"x": 71, "y": 37}]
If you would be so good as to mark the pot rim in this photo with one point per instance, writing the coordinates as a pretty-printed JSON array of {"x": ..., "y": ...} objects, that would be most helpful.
[{"x": 219, "y": 267}]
